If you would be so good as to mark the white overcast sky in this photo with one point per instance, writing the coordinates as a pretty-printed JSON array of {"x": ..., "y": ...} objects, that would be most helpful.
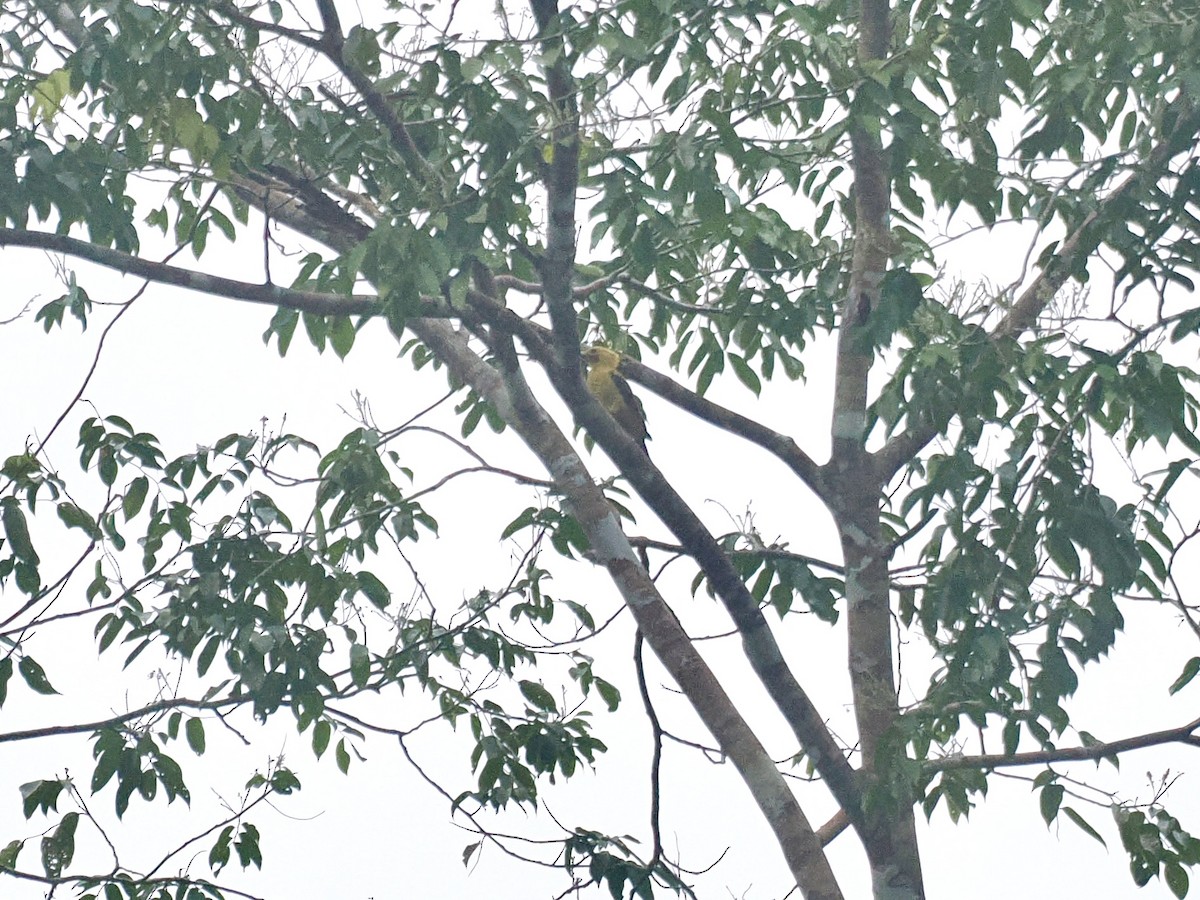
[{"x": 190, "y": 369}]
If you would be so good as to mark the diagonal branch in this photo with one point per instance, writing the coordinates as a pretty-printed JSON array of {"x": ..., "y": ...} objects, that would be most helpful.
[
  {"x": 333, "y": 44},
  {"x": 511, "y": 396},
  {"x": 539, "y": 340},
  {"x": 759, "y": 643},
  {"x": 1084, "y": 238},
  {"x": 777, "y": 444},
  {"x": 666, "y": 636},
  {"x": 1089, "y": 233}
]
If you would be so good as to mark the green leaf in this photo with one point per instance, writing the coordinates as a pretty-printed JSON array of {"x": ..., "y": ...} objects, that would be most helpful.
[
  {"x": 1051, "y": 800},
  {"x": 29, "y": 579},
  {"x": 135, "y": 496},
  {"x": 1176, "y": 877},
  {"x": 609, "y": 694},
  {"x": 208, "y": 654},
  {"x": 342, "y": 755},
  {"x": 107, "y": 466},
  {"x": 341, "y": 336},
  {"x": 374, "y": 589},
  {"x": 362, "y": 51},
  {"x": 247, "y": 847},
  {"x": 1190, "y": 668},
  {"x": 74, "y": 517},
  {"x": 194, "y": 730},
  {"x": 322, "y": 731},
  {"x": 317, "y": 329},
  {"x": 17, "y": 529},
  {"x": 6, "y": 670},
  {"x": 360, "y": 664},
  {"x": 538, "y": 696},
  {"x": 1063, "y": 552},
  {"x": 8, "y": 856},
  {"x": 284, "y": 781},
  {"x": 283, "y": 327},
  {"x": 58, "y": 848},
  {"x": 219, "y": 854},
  {"x": 1082, "y": 823},
  {"x": 745, "y": 374},
  {"x": 35, "y": 675},
  {"x": 49, "y": 93},
  {"x": 40, "y": 795}
]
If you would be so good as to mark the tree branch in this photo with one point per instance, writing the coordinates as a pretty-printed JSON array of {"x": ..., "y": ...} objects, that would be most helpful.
[
  {"x": 562, "y": 183},
  {"x": 778, "y": 445},
  {"x": 1184, "y": 734},
  {"x": 1083, "y": 239},
  {"x": 148, "y": 710},
  {"x": 333, "y": 42},
  {"x": 761, "y": 648},
  {"x": 755, "y": 553},
  {"x": 889, "y": 827},
  {"x": 538, "y": 339},
  {"x": 94, "y": 881},
  {"x": 656, "y": 737},
  {"x": 837, "y": 823},
  {"x": 313, "y": 302},
  {"x": 679, "y": 656}
]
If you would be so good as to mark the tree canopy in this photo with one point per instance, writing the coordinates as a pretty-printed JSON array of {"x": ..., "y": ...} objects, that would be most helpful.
[{"x": 976, "y": 221}]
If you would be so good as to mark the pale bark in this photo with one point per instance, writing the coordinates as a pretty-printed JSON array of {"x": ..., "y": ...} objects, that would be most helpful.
[{"x": 889, "y": 832}]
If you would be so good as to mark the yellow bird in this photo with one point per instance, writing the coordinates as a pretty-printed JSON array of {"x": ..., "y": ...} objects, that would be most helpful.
[{"x": 614, "y": 394}]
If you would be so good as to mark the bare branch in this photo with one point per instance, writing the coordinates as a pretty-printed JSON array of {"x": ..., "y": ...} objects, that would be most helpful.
[
  {"x": 778, "y": 445},
  {"x": 1184, "y": 734},
  {"x": 9, "y": 737},
  {"x": 268, "y": 294}
]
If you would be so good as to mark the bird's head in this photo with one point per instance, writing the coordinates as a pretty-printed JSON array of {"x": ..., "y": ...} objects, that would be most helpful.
[{"x": 601, "y": 358}]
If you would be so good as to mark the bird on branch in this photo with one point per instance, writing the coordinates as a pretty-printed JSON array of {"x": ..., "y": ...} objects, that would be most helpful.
[{"x": 614, "y": 393}]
